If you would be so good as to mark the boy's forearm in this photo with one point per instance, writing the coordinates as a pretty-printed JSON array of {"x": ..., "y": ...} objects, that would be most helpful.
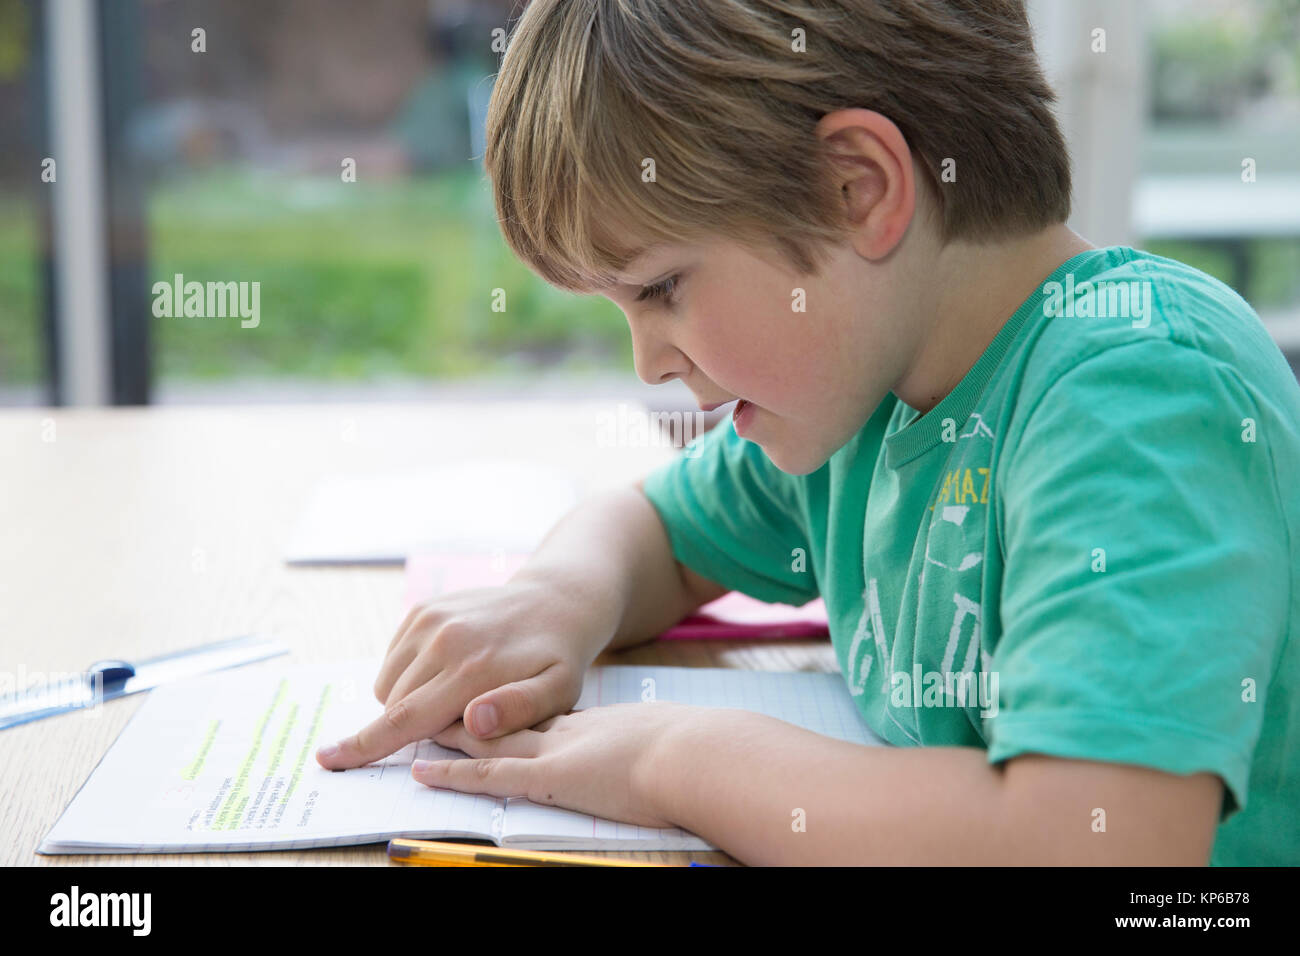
[
  {"x": 613, "y": 555},
  {"x": 747, "y": 783},
  {"x": 768, "y": 792}
]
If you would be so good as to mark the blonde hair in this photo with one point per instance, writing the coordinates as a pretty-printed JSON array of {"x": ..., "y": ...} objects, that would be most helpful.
[{"x": 715, "y": 93}]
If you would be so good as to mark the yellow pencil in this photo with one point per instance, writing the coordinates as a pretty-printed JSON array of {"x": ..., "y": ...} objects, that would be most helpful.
[{"x": 428, "y": 853}]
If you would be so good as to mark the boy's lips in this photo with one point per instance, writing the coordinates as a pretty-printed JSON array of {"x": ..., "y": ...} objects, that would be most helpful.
[{"x": 743, "y": 416}]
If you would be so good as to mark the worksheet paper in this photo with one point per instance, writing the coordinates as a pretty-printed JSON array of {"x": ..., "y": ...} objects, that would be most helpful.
[{"x": 226, "y": 762}]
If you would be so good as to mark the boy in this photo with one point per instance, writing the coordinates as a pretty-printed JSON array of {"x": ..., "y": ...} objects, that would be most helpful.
[{"x": 1063, "y": 475}]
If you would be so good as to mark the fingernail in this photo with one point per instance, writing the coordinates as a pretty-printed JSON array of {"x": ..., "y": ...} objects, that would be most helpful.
[
  {"x": 328, "y": 752},
  {"x": 485, "y": 719},
  {"x": 420, "y": 766}
]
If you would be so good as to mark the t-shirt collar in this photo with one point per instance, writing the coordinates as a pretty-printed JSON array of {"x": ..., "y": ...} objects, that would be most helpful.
[{"x": 922, "y": 433}]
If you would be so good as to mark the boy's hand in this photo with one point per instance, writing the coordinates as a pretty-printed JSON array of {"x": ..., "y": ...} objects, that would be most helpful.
[
  {"x": 605, "y": 761},
  {"x": 501, "y": 659}
]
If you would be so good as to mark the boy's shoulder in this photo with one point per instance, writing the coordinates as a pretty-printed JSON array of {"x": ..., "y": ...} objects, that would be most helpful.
[
  {"x": 1144, "y": 317},
  {"x": 1182, "y": 394}
]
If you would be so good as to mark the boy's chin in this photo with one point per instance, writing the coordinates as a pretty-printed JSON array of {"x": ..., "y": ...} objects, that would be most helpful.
[{"x": 800, "y": 460}]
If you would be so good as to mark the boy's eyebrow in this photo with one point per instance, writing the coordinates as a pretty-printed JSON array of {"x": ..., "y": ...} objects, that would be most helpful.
[{"x": 637, "y": 256}]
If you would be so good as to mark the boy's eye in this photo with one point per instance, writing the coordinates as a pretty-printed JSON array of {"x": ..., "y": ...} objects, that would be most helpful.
[{"x": 660, "y": 291}]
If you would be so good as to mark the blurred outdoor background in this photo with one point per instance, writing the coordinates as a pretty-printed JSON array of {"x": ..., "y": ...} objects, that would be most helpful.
[{"x": 225, "y": 165}]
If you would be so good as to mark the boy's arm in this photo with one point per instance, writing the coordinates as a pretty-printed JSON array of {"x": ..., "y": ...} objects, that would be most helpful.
[
  {"x": 699, "y": 590},
  {"x": 834, "y": 802},
  {"x": 616, "y": 552}
]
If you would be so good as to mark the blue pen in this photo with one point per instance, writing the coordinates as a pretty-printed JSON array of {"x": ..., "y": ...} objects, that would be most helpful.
[{"x": 107, "y": 680}]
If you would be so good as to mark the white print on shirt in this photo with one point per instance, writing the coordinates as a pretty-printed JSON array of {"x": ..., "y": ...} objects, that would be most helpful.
[
  {"x": 965, "y": 606},
  {"x": 859, "y": 668},
  {"x": 870, "y": 621},
  {"x": 956, "y": 514},
  {"x": 961, "y": 485},
  {"x": 979, "y": 428}
]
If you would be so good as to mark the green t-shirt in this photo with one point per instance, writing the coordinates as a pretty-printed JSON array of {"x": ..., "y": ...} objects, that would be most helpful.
[{"x": 1090, "y": 548}]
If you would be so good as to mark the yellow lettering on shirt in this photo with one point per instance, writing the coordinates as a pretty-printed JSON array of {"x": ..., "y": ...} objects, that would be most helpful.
[
  {"x": 967, "y": 487},
  {"x": 959, "y": 486}
]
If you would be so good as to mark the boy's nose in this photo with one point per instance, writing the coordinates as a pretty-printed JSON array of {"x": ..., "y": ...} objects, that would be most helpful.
[{"x": 656, "y": 361}]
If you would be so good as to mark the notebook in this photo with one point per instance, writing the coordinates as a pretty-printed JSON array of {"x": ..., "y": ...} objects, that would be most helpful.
[
  {"x": 734, "y": 616},
  {"x": 226, "y": 762}
]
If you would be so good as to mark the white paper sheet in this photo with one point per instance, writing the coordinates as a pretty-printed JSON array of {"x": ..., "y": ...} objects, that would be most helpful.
[{"x": 481, "y": 505}]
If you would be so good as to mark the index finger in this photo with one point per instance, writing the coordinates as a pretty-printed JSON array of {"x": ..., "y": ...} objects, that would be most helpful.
[{"x": 426, "y": 711}]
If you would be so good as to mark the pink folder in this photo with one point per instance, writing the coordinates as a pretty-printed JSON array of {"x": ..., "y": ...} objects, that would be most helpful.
[{"x": 733, "y": 616}]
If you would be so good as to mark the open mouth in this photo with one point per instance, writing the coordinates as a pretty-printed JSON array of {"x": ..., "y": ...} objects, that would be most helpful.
[{"x": 743, "y": 416}]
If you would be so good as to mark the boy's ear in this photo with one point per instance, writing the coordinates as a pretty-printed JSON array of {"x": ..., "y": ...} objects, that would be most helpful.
[{"x": 872, "y": 167}]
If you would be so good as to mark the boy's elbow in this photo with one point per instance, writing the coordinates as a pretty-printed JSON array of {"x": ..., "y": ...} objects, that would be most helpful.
[{"x": 1063, "y": 811}]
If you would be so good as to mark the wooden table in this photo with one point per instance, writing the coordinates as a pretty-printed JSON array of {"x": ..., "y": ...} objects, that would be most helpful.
[{"x": 130, "y": 532}]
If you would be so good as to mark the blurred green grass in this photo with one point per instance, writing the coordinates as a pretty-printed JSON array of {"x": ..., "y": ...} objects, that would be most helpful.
[
  {"x": 1275, "y": 267},
  {"x": 358, "y": 281},
  {"x": 362, "y": 280},
  {"x": 21, "y": 301}
]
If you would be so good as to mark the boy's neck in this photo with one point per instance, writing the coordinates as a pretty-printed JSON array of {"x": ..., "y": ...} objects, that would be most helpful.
[{"x": 979, "y": 287}]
